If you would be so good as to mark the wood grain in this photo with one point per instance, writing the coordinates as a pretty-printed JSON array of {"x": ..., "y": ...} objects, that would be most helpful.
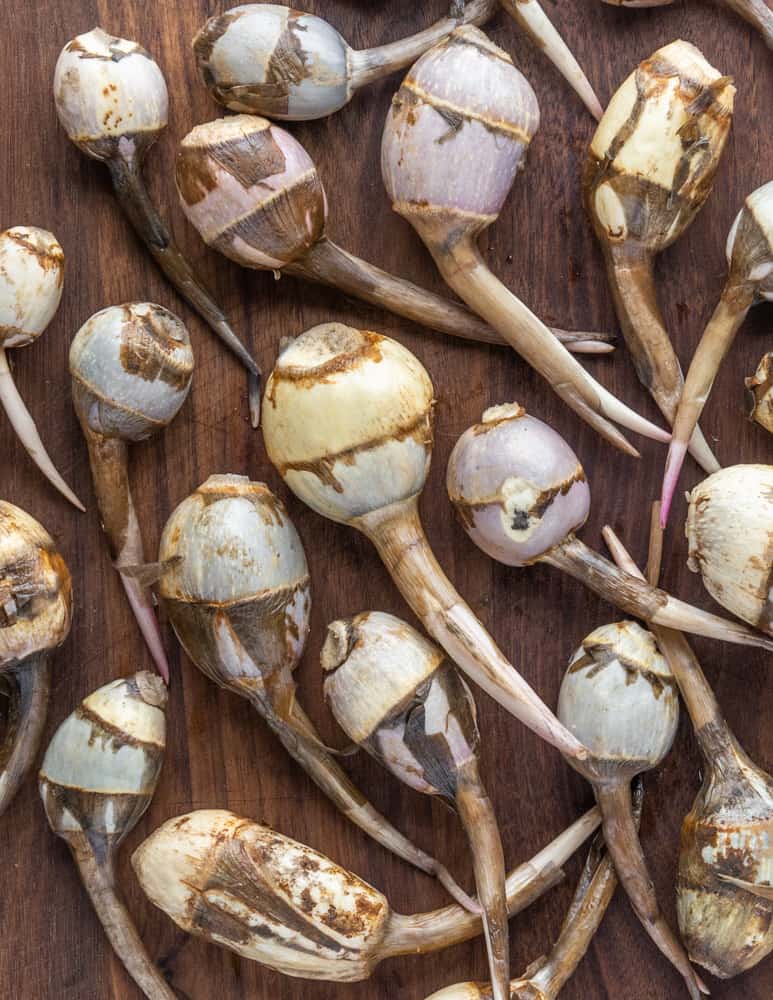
[{"x": 220, "y": 755}]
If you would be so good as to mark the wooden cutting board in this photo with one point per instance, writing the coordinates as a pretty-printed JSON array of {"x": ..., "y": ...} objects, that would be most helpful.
[{"x": 220, "y": 754}]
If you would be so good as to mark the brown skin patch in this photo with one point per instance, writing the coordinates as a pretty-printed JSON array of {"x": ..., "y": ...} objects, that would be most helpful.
[
  {"x": 249, "y": 872},
  {"x": 111, "y": 737},
  {"x": 486, "y": 425},
  {"x": 546, "y": 497},
  {"x": 757, "y": 386},
  {"x": 367, "y": 908},
  {"x": 115, "y": 54},
  {"x": 598, "y": 658},
  {"x": 268, "y": 506},
  {"x": 107, "y": 148},
  {"x": 727, "y": 928},
  {"x": 250, "y": 158},
  {"x": 284, "y": 225},
  {"x": 147, "y": 348},
  {"x": 58, "y": 567},
  {"x": 206, "y": 40},
  {"x": 755, "y": 250},
  {"x": 287, "y": 65},
  {"x": 88, "y": 806},
  {"x": 728, "y": 931},
  {"x": 291, "y": 626},
  {"x": 322, "y": 468},
  {"x": 346, "y": 640},
  {"x": 440, "y": 768},
  {"x": 455, "y": 121},
  {"x": 521, "y": 518},
  {"x": 194, "y": 174},
  {"x": 420, "y": 430},
  {"x": 20, "y": 582},
  {"x": 367, "y": 349},
  {"x": 649, "y": 209},
  {"x": 31, "y": 588},
  {"x": 735, "y": 862},
  {"x": 50, "y": 260},
  {"x": 212, "y": 923},
  {"x": 258, "y": 627}
]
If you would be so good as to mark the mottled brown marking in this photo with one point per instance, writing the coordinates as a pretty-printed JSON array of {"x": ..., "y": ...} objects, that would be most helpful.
[
  {"x": 116, "y": 54},
  {"x": 367, "y": 909},
  {"x": 251, "y": 874},
  {"x": 148, "y": 348},
  {"x": 598, "y": 658},
  {"x": 707, "y": 99},
  {"x": 31, "y": 585},
  {"x": 758, "y": 387},
  {"x": 649, "y": 209},
  {"x": 51, "y": 259},
  {"x": 21, "y": 581},
  {"x": 727, "y": 929}
]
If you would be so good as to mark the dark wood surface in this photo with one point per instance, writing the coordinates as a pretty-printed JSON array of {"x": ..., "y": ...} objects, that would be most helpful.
[{"x": 219, "y": 753}]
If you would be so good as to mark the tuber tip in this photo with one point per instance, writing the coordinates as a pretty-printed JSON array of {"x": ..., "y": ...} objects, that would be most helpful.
[
  {"x": 253, "y": 394},
  {"x": 674, "y": 462},
  {"x": 148, "y": 623}
]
